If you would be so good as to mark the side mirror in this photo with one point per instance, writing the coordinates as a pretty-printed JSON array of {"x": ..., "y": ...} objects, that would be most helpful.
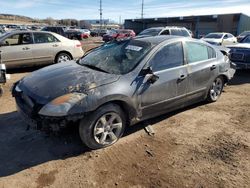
[
  {"x": 4, "y": 43},
  {"x": 152, "y": 78},
  {"x": 146, "y": 71}
]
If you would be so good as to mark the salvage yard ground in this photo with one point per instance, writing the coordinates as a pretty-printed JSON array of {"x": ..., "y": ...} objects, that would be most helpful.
[{"x": 205, "y": 145}]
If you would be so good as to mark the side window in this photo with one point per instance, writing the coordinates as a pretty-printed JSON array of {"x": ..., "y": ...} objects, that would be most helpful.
[
  {"x": 225, "y": 36},
  {"x": 26, "y": 38},
  {"x": 185, "y": 33},
  {"x": 18, "y": 39},
  {"x": 44, "y": 38},
  {"x": 168, "y": 57},
  {"x": 166, "y": 32},
  {"x": 12, "y": 40},
  {"x": 196, "y": 52},
  {"x": 211, "y": 53}
]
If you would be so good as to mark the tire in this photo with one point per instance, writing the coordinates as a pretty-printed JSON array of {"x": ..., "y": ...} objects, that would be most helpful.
[
  {"x": 97, "y": 132},
  {"x": 215, "y": 89},
  {"x": 1, "y": 91},
  {"x": 63, "y": 57}
]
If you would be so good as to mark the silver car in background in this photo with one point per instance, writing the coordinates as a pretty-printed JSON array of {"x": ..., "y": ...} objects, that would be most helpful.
[{"x": 29, "y": 48}]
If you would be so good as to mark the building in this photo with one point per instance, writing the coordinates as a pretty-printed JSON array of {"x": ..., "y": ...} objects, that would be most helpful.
[
  {"x": 106, "y": 24},
  {"x": 199, "y": 25}
]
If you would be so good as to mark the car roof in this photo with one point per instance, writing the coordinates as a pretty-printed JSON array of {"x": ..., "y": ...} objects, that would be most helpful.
[
  {"x": 155, "y": 40},
  {"x": 28, "y": 31},
  {"x": 219, "y": 33}
]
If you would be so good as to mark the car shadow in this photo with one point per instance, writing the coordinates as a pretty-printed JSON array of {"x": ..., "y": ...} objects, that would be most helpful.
[
  {"x": 152, "y": 121},
  {"x": 240, "y": 77},
  {"x": 22, "y": 148},
  {"x": 25, "y": 69}
]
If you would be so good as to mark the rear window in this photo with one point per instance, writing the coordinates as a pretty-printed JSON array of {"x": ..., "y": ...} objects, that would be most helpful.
[
  {"x": 179, "y": 32},
  {"x": 245, "y": 33},
  {"x": 214, "y": 36},
  {"x": 151, "y": 32},
  {"x": 246, "y": 40}
]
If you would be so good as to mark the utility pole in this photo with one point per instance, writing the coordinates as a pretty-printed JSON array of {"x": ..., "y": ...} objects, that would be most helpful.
[
  {"x": 142, "y": 14},
  {"x": 142, "y": 9},
  {"x": 101, "y": 14}
]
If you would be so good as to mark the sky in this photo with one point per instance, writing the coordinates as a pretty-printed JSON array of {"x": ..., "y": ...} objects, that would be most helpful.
[{"x": 126, "y": 9}]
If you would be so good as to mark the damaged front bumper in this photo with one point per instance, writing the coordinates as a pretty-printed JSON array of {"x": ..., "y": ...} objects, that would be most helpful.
[{"x": 29, "y": 110}]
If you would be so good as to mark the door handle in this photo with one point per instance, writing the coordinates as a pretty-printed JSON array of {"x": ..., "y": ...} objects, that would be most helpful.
[
  {"x": 55, "y": 45},
  {"x": 213, "y": 67},
  {"x": 26, "y": 48},
  {"x": 182, "y": 77}
]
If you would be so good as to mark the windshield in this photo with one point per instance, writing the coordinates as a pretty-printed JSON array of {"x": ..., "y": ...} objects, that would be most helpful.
[
  {"x": 151, "y": 32},
  {"x": 246, "y": 40},
  {"x": 214, "y": 36},
  {"x": 245, "y": 33},
  {"x": 118, "y": 57}
]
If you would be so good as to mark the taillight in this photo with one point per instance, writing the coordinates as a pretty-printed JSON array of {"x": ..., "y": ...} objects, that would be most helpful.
[{"x": 78, "y": 45}]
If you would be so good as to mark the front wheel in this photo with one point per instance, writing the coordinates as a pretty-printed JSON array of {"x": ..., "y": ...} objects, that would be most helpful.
[
  {"x": 103, "y": 127},
  {"x": 215, "y": 90}
]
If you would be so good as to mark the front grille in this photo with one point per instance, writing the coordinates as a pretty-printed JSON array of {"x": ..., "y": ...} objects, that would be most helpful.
[
  {"x": 237, "y": 56},
  {"x": 247, "y": 58},
  {"x": 27, "y": 105}
]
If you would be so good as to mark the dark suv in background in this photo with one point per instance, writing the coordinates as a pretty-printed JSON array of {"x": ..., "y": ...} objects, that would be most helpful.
[
  {"x": 56, "y": 29},
  {"x": 154, "y": 31}
]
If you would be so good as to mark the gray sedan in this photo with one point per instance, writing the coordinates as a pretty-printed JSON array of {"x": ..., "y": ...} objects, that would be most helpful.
[{"x": 120, "y": 84}]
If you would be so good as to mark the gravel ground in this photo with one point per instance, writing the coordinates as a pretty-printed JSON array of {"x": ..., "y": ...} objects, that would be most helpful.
[{"x": 205, "y": 145}]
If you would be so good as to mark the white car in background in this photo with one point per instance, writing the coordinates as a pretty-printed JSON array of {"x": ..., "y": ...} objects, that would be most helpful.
[
  {"x": 29, "y": 48},
  {"x": 86, "y": 31},
  {"x": 220, "y": 38}
]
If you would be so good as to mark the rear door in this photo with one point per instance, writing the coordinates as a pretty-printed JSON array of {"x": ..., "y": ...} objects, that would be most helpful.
[
  {"x": 17, "y": 51},
  {"x": 45, "y": 47},
  {"x": 171, "y": 87},
  {"x": 202, "y": 68}
]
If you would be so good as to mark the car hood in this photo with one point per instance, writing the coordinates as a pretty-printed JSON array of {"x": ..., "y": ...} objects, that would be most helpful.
[
  {"x": 56, "y": 80},
  {"x": 240, "y": 45},
  {"x": 212, "y": 40}
]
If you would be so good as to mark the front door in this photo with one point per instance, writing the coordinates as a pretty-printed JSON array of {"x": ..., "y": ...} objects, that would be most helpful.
[
  {"x": 17, "y": 50},
  {"x": 170, "y": 89}
]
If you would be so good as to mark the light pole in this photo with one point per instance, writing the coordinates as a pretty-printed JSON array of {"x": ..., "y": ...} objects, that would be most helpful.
[{"x": 100, "y": 15}]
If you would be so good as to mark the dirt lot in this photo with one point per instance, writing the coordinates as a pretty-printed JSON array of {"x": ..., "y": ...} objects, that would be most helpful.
[{"x": 206, "y": 145}]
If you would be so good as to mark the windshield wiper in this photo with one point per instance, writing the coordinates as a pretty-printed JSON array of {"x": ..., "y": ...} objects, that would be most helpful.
[{"x": 94, "y": 67}]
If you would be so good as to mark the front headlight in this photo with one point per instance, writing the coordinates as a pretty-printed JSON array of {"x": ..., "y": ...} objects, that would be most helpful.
[{"x": 61, "y": 105}]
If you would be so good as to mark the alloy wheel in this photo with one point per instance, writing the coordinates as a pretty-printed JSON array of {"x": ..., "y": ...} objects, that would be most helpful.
[
  {"x": 108, "y": 129},
  {"x": 63, "y": 58},
  {"x": 216, "y": 89}
]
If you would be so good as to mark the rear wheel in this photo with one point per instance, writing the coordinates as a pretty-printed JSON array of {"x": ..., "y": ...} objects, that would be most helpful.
[
  {"x": 215, "y": 89},
  {"x": 103, "y": 127},
  {"x": 63, "y": 57},
  {"x": 1, "y": 91}
]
